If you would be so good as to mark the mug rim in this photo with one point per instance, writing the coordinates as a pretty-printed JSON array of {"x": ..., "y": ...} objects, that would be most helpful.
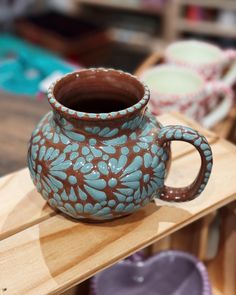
[
  {"x": 66, "y": 111},
  {"x": 170, "y": 97},
  {"x": 168, "y": 55}
]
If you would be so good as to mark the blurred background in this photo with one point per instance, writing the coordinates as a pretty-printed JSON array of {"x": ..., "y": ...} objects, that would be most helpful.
[{"x": 41, "y": 40}]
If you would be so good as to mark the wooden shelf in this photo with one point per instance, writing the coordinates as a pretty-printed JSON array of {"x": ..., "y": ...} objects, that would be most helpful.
[
  {"x": 42, "y": 252},
  {"x": 122, "y": 5},
  {"x": 206, "y": 27},
  {"x": 215, "y": 4}
]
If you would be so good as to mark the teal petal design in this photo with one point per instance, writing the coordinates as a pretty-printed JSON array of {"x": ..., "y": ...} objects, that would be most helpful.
[
  {"x": 88, "y": 208},
  {"x": 72, "y": 195},
  {"x": 147, "y": 138},
  {"x": 70, "y": 209},
  {"x": 59, "y": 160},
  {"x": 143, "y": 145},
  {"x": 129, "y": 208},
  {"x": 132, "y": 184},
  {"x": 126, "y": 191},
  {"x": 108, "y": 149},
  {"x": 120, "y": 207},
  {"x": 59, "y": 174},
  {"x": 55, "y": 138},
  {"x": 85, "y": 150},
  {"x": 198, "y": 142},
  {"x": 95, "y": 152},
  {"x": 74, "y": 155},
  {"x": 82, "y": 195},
  {"x": 134, "y": 176},
  {"x": 55, "y": 184},
  {"x": 116, "y": 141},
  {"x": 155, "y": 162},
  {"x": 46, "y": 186},
  {"x": 86, "y": 168},
  {"x": 64, "y": 196},
  {"x": 75, "y": 136},
  {"x": 54, "y": 154},
  {"x": 63, "y": 166},
  {"x": 98, "y": 184},
  {"x": 135, "y": 165},
  {"x": 103, "y": 211},
  {"x": 103, "y": 168},
  {"x": 36, "y": 139},
  {"x": 65, "y": 140},
  {"x": 93, "y": 175},
  {"x": 79, "y": 208},
  {"x": 95, "y": 194},
  {"x": 120, "y": 197},
  {"x": 178, "y": 134},
  {"x": 42, "y": 152},
  {"x": 48, "y": 153},
  {"x": 79, "y": 163},
  {"x": 147, "y": 160},
  {"x": 188, "y": 136}
]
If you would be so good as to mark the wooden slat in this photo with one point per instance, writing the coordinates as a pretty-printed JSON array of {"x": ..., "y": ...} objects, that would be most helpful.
[
  {"x": 22, "y": 206},
  {"x": 58, "y": 253}
]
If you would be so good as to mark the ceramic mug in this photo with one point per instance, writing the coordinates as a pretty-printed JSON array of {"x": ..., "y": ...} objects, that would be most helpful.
[
  {"x": 182, "y": 89},
  {"x": 207, "y": 59},
  {"x": 168, "y": 272},
  {"x": 99, "y": 154}
]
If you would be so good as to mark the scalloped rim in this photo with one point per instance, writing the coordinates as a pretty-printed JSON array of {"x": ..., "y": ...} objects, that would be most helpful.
[{"x": 97, "y": 116}]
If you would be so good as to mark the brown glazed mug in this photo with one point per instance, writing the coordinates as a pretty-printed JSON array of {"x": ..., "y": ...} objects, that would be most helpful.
[{"x": 100, "y": 154}]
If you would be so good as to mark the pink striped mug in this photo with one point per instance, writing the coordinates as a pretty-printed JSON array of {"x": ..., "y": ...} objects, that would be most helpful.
[
  {"x": 208, "y": 60},
  {"x": 175, "y": 88}
]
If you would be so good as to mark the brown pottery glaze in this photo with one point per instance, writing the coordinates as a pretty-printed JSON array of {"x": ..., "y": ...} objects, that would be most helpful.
[{"x": 100, "y": 154}]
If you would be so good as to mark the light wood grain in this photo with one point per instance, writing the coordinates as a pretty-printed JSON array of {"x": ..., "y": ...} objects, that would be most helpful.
[
  {"x": 21, "y": 205},
  {"x": 222, "y": 269},
  {"x": 59, "y": 253}
]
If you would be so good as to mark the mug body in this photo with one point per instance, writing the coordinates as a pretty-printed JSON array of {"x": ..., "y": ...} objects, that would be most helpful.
[
  {"x": 176, "y": 88},
  {"x": 209, "y": 60},
  {"x": 96, "y": 156}
]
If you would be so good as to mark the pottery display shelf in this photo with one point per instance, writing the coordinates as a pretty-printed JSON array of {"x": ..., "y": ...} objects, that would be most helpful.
[{"x": 43, "y": 252}]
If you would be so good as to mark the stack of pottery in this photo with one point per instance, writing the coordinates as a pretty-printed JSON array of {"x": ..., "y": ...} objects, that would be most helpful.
[{"x": 191, "y": 80}]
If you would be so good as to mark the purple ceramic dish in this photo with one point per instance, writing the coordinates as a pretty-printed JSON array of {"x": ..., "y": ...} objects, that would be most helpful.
[{"x": 167, "y": 273}]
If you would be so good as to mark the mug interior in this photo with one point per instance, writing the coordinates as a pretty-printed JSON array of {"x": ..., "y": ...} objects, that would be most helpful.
[
  {"x": 173, "y": 80},
  {"x": 194, "y": 52},
  {"x": 98, "y": 91}
]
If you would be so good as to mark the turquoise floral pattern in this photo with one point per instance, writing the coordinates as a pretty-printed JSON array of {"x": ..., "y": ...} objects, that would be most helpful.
[{"x": 101, "y": 183}]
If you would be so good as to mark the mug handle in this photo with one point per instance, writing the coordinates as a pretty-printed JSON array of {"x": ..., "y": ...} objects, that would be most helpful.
[
  {"x": 230, "y": 77},
  {"x": 186, "y": 134},
  {"x": 221, "y": 111}
]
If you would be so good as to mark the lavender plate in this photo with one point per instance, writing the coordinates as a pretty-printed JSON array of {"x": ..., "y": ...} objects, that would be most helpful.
[{"x": 167, "y": 273}]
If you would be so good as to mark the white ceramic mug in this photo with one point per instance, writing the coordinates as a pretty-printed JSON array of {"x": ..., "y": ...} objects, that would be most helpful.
[
  {"x": 175, "y": 88},
  {"x": 207, "y": 59}
]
